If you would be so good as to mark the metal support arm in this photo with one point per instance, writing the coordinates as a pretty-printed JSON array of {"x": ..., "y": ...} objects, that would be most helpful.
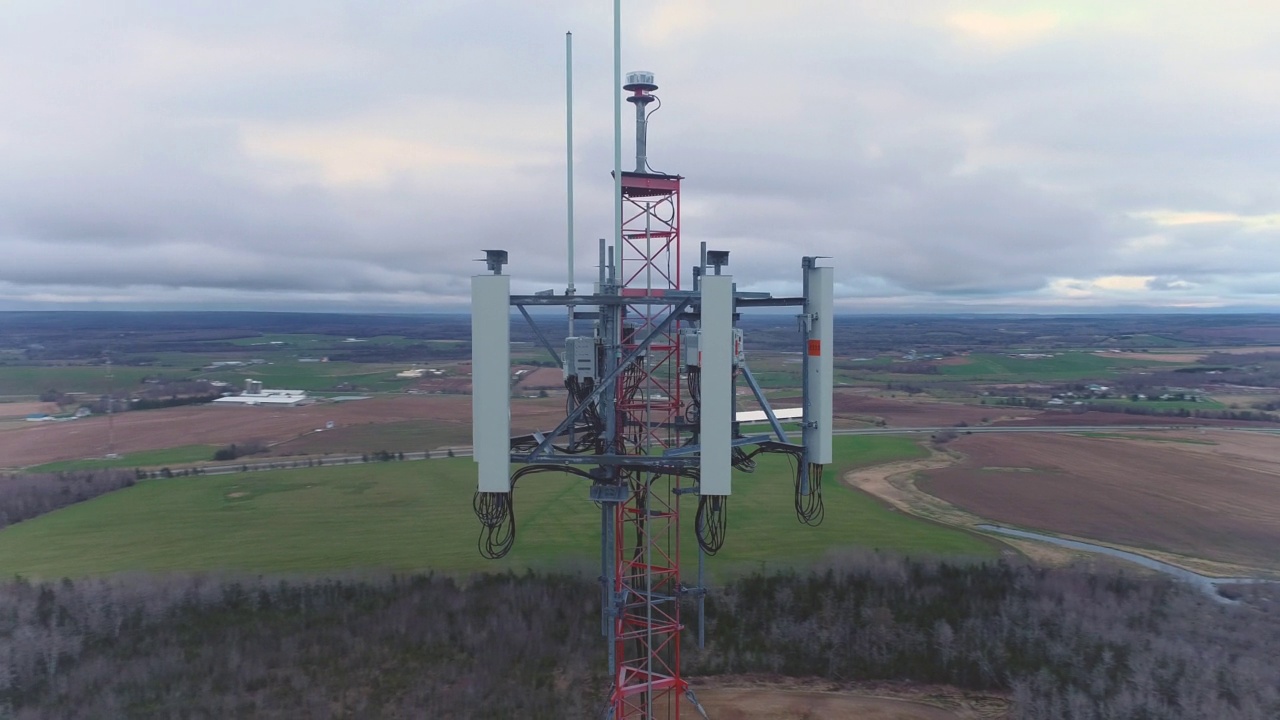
[{"x": 607, "y": 381}]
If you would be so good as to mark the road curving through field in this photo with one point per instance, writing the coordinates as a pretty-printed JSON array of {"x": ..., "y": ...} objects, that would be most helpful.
[{"x": 894, "y": 484}]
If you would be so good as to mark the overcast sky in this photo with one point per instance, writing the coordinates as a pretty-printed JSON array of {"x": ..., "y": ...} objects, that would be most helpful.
[{"x": 1030, "y": 156}]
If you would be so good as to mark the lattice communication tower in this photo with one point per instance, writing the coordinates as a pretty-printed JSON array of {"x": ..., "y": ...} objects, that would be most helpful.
[{"x": 652, "y": 419}]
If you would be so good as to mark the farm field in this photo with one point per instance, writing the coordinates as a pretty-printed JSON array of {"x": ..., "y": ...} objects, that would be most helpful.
[
  {"x": 1120, "y": 404},
  {"x": 317, "y": 376},
  {"x": 39, "y": 443},
  {"x": 399, "y": 436},
  {"x": 414, "y": 515},
  {"x": 185, "y": 455},
  {"x": 1216, "y": 496},
  {"x": 20, "y": 410},
  {"x": 29, "y": 381},
  {"x": 1061, "y": 366},
  {"x": 919, "y": 413}
]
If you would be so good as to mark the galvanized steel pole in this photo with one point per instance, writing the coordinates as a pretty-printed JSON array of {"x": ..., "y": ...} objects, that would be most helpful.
[
  {"x": 617, "y": 130},
  {"x": 568, "y": 132}
]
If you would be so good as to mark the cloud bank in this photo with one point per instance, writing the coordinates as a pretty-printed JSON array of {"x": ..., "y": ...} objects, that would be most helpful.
[{"x": 1016, "y": 156}]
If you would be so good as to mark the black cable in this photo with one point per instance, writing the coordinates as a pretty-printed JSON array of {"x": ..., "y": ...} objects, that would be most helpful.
[
  {"x": 497, "y": 514},
  {"x": 810, "y": 509},
  {"x": 711, "y": 523},
  {"x": 694, "y": 383},
  {"x": 648, "y": 115}
]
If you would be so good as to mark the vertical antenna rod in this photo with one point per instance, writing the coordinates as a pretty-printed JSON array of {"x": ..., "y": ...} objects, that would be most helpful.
[
  {"x": 568, "y": 143},
  {"x": 617, "y": 128}
]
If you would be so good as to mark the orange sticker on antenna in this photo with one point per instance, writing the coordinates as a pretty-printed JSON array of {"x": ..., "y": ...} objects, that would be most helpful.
[{"x": 815, "y": 347}]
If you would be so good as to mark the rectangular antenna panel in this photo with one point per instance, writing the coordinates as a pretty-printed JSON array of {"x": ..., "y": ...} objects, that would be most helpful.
[
  {"x": 716, "y": 414},
  {"x": 820, "y": 305},
  {"x": 691, "y": 354},
  {"x": 491, "y": 380},
  {"x": 580, "y": 358}
]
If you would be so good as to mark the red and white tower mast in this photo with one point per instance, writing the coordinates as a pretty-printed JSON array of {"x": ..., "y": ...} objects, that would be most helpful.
[{"x": 646, "y": 528}]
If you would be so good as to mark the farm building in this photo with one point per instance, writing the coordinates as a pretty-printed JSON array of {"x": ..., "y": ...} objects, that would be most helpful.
[
  {"x": 255, "y": 394},
  {"x": 759, "y": 416}
]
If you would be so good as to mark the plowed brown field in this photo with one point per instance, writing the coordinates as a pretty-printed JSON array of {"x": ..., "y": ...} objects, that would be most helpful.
[
  {"x": 23, "y": 409},
  {"x": 908, "y": 413},
  {"x": 1214, "y": 495},
  {"x": 541, "y": 378},
  {"x": 37, "y": 443}
]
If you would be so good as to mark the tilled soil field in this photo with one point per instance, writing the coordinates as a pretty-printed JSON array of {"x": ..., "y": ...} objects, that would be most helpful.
[
  {"x": 37, "y": 443},
  {"x": 23, "y": 409},
  {"x": 1214, "y": 495},
  {"x": 910, "y": 413},
  {"x": 540, "y": 378}
]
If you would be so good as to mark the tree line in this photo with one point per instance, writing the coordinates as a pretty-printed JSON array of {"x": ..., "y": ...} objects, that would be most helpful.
[
  {"x": 26, "y": 495},
  {"x": 1066, "y": 644}
]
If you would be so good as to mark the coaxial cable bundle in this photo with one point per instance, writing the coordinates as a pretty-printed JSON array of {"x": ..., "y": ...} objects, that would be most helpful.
[{"x": 711, "y": 523}]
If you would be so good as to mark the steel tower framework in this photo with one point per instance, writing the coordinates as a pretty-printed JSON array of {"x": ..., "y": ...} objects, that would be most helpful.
[
  {"x": 646, "y": 423},
  {"x": 646, "y": 526}
]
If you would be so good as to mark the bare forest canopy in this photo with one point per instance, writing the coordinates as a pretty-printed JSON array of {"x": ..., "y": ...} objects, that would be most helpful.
[{"x": 1063, "y": 643}]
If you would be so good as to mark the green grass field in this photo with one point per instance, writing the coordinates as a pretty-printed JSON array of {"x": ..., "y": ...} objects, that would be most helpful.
[
  {"x": 416, "y": 515},
  {"x": 1063, "y": 366},
  {"x": 30, "y": 381},
  {"x": 293, "y": 375},
  {"x": 403, "y": 436},
  {"x": 1120, "y": 404},
  {"x": 185, "y": 455},
  {"x": 311, "y": 341}
]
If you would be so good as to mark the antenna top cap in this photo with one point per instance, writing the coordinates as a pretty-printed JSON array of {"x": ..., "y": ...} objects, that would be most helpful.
[{"x": 641, "y": 80}]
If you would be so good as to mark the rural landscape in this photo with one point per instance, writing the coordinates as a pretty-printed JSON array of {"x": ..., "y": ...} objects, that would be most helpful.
[{"x": 1154, "y": 436}]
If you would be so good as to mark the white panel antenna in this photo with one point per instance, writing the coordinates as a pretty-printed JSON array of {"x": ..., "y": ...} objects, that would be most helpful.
[
  {"x": 491, "y": 380},
  {"x": 820, "y": 365},
  {"x": 716, "y": 413}
]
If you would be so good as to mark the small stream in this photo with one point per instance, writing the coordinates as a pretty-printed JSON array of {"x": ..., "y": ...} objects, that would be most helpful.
[{"x": 1204, "y": 582}]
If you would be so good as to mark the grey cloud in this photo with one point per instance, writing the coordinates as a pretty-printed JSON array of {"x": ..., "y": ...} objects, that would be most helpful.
[{"x": 935, "y": 171}]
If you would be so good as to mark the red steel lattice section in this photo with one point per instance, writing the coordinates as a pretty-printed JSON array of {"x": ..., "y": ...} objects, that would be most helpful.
[
  {"x": 647, "y": 627},
  {"x": 650, "y": 265}
]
